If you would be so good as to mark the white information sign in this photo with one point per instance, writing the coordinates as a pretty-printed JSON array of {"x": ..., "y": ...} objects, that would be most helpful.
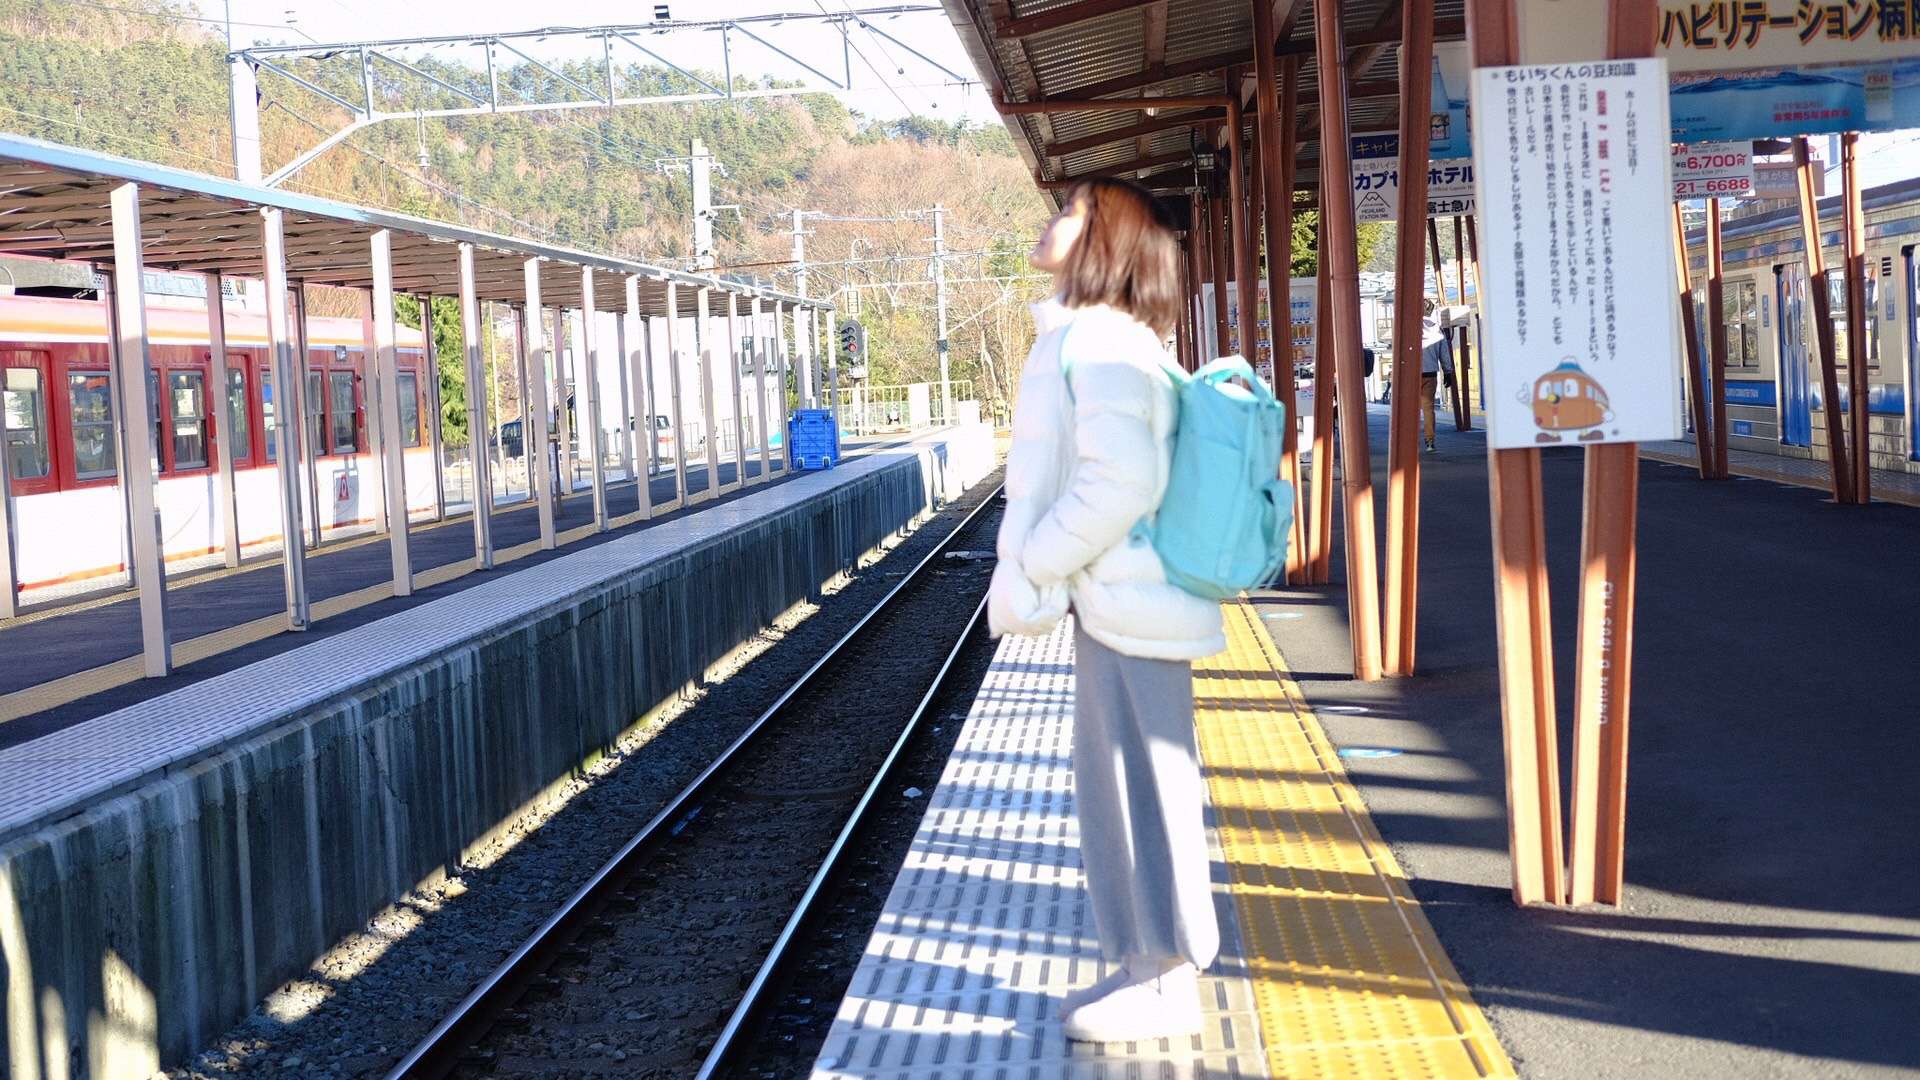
[
  {"x": 1580, "y": 310},
  {"x": 1719, "y": 170},
  {"x": 1376, "y": 180}
]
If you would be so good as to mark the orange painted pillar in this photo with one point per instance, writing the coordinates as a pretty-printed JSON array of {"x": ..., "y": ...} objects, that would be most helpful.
[
  {"x": 1717, "y": 337},
  {"x": 1323, "y": 390},
  {"x": 1818, "y": 292},
  {"x": 1859, "y": 391},
  {"x": 1690, "y": 331}
]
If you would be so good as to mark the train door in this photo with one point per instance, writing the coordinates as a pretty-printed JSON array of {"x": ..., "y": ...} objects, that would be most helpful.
[
  {"x": 26, "y": 422},
  {"x": 1793, "y": 377},
  {"x": 1912, "y": 274}
]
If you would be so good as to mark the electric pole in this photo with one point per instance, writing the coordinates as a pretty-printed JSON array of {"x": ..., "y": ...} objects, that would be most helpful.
[
  {"x": 700, "y": 166},
  {"x": 940, "y": 309},
  {"x": 809, "y": 378}
]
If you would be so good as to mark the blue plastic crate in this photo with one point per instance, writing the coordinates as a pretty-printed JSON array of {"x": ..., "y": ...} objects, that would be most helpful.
[{"x": 813, "y": 440}]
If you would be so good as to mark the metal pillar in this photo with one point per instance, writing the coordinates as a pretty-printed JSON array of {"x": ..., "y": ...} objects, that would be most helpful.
[
  {"x": 430, "y": 423},
  {"x": 243, "y": 89},
  {"x": 940, "y": 343},
  {"x": 1403, "y": 444},
  {"x": 628, "y": 410},
  {"x": 533, "y": 339},
  {"x": 679, "y": 401},
  {"x": 385, "y": 364},
  {"x": 310, "y": 449},
  {"x": 783, "y": 366},
  {"x": 831, "y": 356},
  {"x": 703, "y": 354},
  {"x": 1245, "y": 280},
  {"x": 217, "y": 405},
  {"x": 1819, "y": 293},
  {"x": 1690, "y": 333},
  {"x": 1853, "y": 239},
  {"x": 471, "y": 329},
  {"x": 1717, "y": 337},
  {"x": 1433, "y": 239},
  {"x": 563, "y": 416},
  {"x": 738, "y": 388},
  {"x": 590, "y": 367},
  {"x": 370, "y": 399},
  {"x": 640, "y": 366},
  {"x": 1321, "y": 525},
  {"x": 1276, "y": 100},
  {"x": 288, "y": 429},
  {"x": 1196, "y": 261},
  {"x": 1340, "y": 254},
  {"x": 129, "y": 363},
  {"x": 1217, "y": 258},
  {"x": 761, "y": 407}
]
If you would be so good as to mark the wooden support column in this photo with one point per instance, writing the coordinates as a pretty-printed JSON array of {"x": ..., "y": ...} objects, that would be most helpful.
[
  {"x": 703, "y": 346},
  {"x": 430, "y": 422},
  {"x": 1717, "y": 338},
  {"x": 1603, "y": 664},
  {"x": 129, "y": 365},
  {"x": 1818, "y": 292},
  {"x": 313, "y": 439},
  {"x": 1403, "y": 444},
  {"x": 1276, "y": 94},
  {"x": 1459, "y": 260},
  {"x": 1246, "y": 281},
  {"x": 1520, "y": 600},
  {"x": 385, "y": 363},
  {"x": 534, "y": 343},
  {"x": 1339, "y": 252},
  {"x": 288, "y": 432},
  {"x": 1321, "y": 526},
  {"x": 1433, "y": 237},
  {"x": 472, "y": 331},
  {"x": 1479, "y": 305},
  {"x": 1853, "y": 238},
  {"x": 1197, "y": 262},
  {"x": 762, "y": 408},
  {"x": 1697, "y": 393},
  {"x": 1217, "y": 255},
  {"x": 678, "y": 399},
  {"x": 219, "y": 397}
]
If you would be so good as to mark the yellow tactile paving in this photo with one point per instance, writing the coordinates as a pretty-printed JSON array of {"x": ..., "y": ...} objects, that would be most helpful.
[{"x": 1349, "y": 979}]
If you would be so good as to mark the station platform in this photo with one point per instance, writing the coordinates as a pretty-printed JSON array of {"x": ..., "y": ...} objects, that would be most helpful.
[
  {"x": 77, "y": 660},
  {"x": 1328, "y": 966},
  {"x": 201, "y": 845}
]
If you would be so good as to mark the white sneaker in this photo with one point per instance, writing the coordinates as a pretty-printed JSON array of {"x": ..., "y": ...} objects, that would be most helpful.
[
  {"x": 1113, "y": 980},
  {"x": 1166, "y": 1006}
]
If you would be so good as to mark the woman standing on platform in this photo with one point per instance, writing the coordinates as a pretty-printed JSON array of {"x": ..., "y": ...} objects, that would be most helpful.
[{"x": 1092, "y": 445}]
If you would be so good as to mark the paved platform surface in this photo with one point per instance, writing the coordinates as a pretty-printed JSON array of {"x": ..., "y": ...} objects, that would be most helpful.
[
  {"x": 91, "y": 758},
  {"x": 1900, "y": 487},
  {"x": 70, "y": 663},
  {"x": 1772, "y": 917},
  {"x": 1326, "y": 968}
]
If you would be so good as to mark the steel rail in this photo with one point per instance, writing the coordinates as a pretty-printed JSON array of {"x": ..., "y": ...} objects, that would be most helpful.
[
  {"x": 754, "y": 1000},
  {"x": 438, "y": 1053}
]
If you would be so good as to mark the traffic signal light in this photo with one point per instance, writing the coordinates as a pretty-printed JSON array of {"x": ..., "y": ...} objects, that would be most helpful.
[{"x": 853, "y": 343}]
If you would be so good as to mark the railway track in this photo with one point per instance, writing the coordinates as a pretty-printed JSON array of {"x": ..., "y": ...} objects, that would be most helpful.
[{"x": 663, "y": 961}]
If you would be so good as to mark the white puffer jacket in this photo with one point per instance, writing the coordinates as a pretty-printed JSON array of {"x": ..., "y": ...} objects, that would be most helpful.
[{"x": 1084, "y": 468}]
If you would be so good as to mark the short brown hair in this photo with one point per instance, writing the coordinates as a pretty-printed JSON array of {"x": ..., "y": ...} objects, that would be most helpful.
[{"x": 1127, "y": 257}]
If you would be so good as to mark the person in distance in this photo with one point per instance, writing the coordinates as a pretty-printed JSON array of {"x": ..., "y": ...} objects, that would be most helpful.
[{"x": 1092, "y": 448}]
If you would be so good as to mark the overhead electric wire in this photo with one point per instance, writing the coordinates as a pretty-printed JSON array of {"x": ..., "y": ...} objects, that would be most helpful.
[{"x": 191, "y": 18}]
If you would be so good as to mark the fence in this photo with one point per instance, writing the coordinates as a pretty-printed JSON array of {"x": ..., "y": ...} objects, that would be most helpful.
[{"x": 867, "y": 410}]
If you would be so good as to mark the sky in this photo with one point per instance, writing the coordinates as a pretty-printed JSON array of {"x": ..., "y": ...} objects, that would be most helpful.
[{"x": 927, "y": 32}]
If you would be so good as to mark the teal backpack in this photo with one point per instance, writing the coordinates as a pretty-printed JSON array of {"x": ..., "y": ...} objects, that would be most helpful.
[{"x": 1222, "y": 526}]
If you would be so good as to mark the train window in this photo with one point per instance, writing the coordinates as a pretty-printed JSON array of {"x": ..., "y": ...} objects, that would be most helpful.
[
  {"x": 1740, "y": 306},
  {"x": 90, "y": 399},
  {"x": 187, "y": 401},
  {"x": 1837, "y": 292},
  {"x": 23, "y": 417},
  {"x": 239, "y": 435},
  {"x": 267, "y": 431},
  {"x": 340, "y": 407},
  {"x": 410, "y": 408},
  {"x": 153, "y": 413},
  {"x": 316, "y": 446}
]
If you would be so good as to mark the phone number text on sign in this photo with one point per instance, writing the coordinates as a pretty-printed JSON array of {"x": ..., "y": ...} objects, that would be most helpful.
[
  {"x": 1712, "y": 170},
  {"x": 1580, "y": 345}
]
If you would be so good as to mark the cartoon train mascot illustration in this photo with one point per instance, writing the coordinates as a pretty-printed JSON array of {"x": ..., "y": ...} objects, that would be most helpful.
[{"x": 1565, "y": 400}]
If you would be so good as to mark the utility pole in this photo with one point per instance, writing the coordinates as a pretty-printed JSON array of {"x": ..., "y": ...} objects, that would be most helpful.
[
  {"x": 700, "y": 165},
  {"x": 809, "y": 379},
  {"x": 940, "y": 308},
  {"x": 243, "y": 102}
]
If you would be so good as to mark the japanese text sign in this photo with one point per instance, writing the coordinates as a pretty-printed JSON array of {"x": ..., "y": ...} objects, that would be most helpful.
[
  {"x": 1376, "y": 180},
  {"x": 1579, "y": 307},
  {"x": 1716, "y": 35},
  {"x": 1712, "y": 170}
]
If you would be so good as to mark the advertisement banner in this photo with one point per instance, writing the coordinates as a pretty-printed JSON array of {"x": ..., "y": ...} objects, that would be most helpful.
[
  {"x": 1452, "y": 85},
  {"x": 1778, "y": 102},
  {"x": 1712, "y": 170},
  {"x": 1376, "y": 180},
  {"x": 1776, "y": 180},
  {"x": 1720, "y": 35},
  {"x": 1580, "y": 348}
]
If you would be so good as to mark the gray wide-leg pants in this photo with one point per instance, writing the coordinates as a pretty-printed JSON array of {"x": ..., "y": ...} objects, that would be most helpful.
[{"x": 1137, "y": 792}]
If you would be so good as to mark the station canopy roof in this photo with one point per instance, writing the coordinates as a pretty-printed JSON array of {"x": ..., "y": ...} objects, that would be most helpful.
[
  {"x": 54, "y": 203},
  {"x": 1038, "y": 50}
]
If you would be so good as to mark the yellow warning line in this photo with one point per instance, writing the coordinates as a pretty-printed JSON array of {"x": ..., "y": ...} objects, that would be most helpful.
[{"x": 1349, "y": 979}]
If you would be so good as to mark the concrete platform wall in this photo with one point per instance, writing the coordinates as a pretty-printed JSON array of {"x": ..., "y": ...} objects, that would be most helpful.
[{"x": 136, "y": 928}]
